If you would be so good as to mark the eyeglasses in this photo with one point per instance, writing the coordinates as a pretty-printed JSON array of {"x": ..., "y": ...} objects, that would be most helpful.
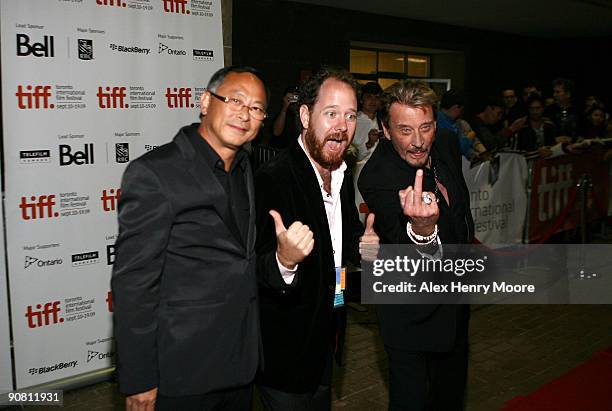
[{"x": 236, "y": 104}]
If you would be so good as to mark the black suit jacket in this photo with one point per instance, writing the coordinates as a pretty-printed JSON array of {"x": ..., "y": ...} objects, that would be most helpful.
[
  {"x": 297, "y": 319},
  {"x": 184, "y": 285},
  {"x": 417, "y": 327}
]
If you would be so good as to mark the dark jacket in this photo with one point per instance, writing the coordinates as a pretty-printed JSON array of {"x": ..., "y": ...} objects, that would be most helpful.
[
  {"x": 184, "y": 286},
  {"x": 297, "y": 320},
  {"x": 418, "y": 327}
]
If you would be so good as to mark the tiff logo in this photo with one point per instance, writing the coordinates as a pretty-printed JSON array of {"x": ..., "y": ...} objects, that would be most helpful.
[
  {"x": 112, "y": 98},
  {"x": 175, "y": 6},
  {"x": 109, "y": 302},
  {"x": 79, "y": 158},
  {"x": 44, "y": 49},
  {"x": 39, "y": 207},
  {"x": 117, "y": 3},
  {"x": 178, "y": 98},
  {"x": 39, "y": 98},
  {"x": 44, "y": 315},
  {"x": 110, "y": 199}
]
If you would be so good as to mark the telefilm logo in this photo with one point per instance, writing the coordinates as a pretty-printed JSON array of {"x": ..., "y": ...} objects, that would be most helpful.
[
  {"x": 34, "y": 156},
  {"x": 38, "y": 207},
  {"x": 34, "y": 262},
  {"x": 122, "y": 152},
  {"x": 203, "y": 55},
  {"x": 97, "y": 355},
  {"x": 176, "y": 6},
  {"x": 129, "y": 49},
  {"x": 179, "y": 97},
  {"x": 86, "y": 258},
  {"x": 44, "y": 314},
  {"x": 163, "y": 49},
  {"x": 112, "y": 97},
  {"x": 40, "y": 49},
  {"x": 110, "y": 199},
  {"x": 85, "y": 47},
  {"x": 68, "y": 156},
  {"x": 34, "y": 97}
]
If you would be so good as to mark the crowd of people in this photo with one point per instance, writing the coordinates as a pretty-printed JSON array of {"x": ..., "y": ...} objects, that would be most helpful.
[{"x": 225, "y": 279}]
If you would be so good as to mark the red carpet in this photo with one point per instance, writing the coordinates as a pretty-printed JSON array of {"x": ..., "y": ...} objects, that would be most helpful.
[{"x": 587, "y": 387}]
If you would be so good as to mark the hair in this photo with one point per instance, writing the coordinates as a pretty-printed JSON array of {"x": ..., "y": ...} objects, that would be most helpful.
[
  {"x": 411, "y": 93},
  {"x": 452, "y": 97},
  {"x": 491, "y": 101},
  {"x": 309, "y": 91},
  {"x": 219, "y": 77},
  {"x": 567, "y": 84},
  {"x": 371, "y": 87}
]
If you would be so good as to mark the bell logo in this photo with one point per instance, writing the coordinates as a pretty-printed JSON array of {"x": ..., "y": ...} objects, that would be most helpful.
[
  {"x": 39, "y": 98},
  {"x": 117, "y": 3},
  {"x": 178, "y": 97},
  {"x": 47, "y": 314},
  {"x": 175, "y": 6},
  {"x": 110, "y": 199},
  {"x": 44, "y": 49},
  {"x": 39, "y": 207},
  {"x": 112, "y": 97},
  {"x": 79, "y": 158}
]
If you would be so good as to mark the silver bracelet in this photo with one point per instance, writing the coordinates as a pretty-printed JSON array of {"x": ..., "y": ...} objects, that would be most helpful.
[{"x": 421, "y": 239}]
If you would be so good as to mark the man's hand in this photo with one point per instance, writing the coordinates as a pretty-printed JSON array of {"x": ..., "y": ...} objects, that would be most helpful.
[
  {"x": 369, "y": 241},
  {"x": 563, "y": 139},
  {"x": 545, "y": 151},
  {"x": 423, "y": 216},
  {"x": 144, "y": 401},
  {"x": 518, "y": 124},
  {"x": 293, "y": 244}
]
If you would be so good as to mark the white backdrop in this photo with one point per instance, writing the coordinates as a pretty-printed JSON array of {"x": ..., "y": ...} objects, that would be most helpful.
[
  {"x": 6, "y": 374},
  {"x": 87, "y": 86},
  {"x": 498, "y": 198}
]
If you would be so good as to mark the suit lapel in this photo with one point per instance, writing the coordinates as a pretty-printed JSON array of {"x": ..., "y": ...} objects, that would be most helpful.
[
  {"x": 209, "y": 184},
  {"x": 250, "y": 244}
]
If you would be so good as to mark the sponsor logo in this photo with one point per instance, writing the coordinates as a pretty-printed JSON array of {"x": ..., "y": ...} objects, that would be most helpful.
[
  {"x": 37, "y": 262},
  {"x": 110, "y": 199},
  {"x": 129, "y": 49},
  {"x": 97, "y": 355},
  {"x": 110, "y": 254},
  {"x": 175, "y": 6},
  {"x": 112, "y": 97},
  {"x": 150, "y": 147},
  {"x": 44, "y": 314},
  {"x": 122, "y": 152},
  {"x": 34, "y": 97},
  {"x": 51, "y": 368},
  {"x": 34, "y": 156},
  {"x": 85, "y": 49},
  {"x": 178, "y": 97},
  {"x": 44, "y": 49},
  {"x": 163, "y": 49},
  {"x": 207, "y": 55},
  {"x": 117, "y": 3},
  {"x": 79, "y": 158},
  {"x": 87, "y": 258},
  {"x": 42, "y": 206}
]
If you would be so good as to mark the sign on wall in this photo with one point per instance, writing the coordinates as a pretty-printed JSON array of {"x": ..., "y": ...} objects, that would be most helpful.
[{"x": 87, "y": 86}]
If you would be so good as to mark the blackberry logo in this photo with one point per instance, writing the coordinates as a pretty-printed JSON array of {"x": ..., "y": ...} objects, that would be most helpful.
[
  {"x": 150, "y": 147},
  {"x": 85, "y": 49}
]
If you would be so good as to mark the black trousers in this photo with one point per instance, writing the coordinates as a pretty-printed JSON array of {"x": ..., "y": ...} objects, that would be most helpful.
[
  {"x": 318, "y": 400},
  {"x": 428, "y": 381},
  {"x": 237, "y": 399}
]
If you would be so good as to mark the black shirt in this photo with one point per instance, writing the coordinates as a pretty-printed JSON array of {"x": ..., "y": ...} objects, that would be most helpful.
[{"x": 233, "y": 182}]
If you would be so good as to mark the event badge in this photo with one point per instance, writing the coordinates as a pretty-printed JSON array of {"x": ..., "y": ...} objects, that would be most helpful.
[{"x": 340, "y": 286}]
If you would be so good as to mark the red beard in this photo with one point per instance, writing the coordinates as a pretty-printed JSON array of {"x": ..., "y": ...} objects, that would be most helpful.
[{"x": 316, "y": 148}]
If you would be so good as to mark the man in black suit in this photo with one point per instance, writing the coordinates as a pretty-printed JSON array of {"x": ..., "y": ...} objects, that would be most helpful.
[
  {"x": 426, "y": 344},
  {"x": 301, "y": 298},
  {"x": 184, "y": 286}
]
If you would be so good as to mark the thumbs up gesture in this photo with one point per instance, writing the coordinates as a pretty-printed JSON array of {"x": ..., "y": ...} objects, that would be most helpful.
[
  {"x": 369, "y": 241},
  {"x": 294, "y": 243}
]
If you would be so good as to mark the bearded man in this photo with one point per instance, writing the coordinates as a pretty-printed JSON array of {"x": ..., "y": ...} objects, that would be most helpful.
[{"x": 308, "y": 189}]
